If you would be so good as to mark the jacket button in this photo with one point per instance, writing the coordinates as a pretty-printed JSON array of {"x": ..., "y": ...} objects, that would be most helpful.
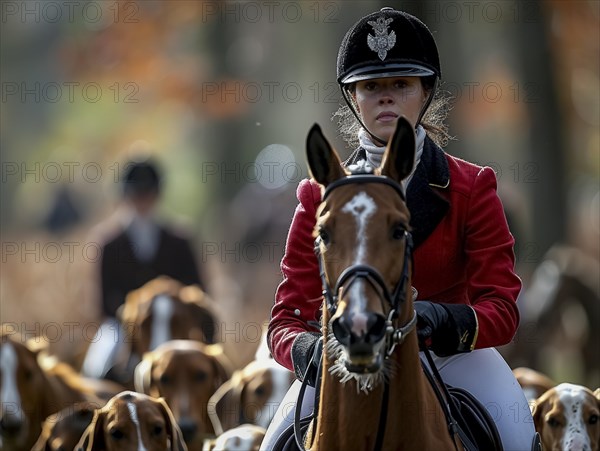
[{"x": 297, "y": 312}]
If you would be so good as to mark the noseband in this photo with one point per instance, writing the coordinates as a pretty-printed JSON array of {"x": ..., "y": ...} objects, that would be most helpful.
[{"x": 397, "y": 296}]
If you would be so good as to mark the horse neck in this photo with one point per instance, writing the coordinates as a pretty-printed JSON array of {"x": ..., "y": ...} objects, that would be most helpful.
[{"x": 350, "y": 420}]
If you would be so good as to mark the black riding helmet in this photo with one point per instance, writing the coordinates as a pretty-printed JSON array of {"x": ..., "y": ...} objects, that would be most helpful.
[
  {"x": 387, "y": 43},
  {"x": 141, "y": 178}
]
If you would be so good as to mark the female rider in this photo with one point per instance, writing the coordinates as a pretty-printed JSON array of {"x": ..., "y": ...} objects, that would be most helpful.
[{"x": 388, "y": 66}]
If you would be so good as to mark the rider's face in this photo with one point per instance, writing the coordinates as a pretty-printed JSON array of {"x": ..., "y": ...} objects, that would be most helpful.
[{"x": 382, "y": 100}]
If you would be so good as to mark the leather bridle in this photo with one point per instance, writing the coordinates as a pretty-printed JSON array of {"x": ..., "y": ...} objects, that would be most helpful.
[{"x": 395, "y": 298}]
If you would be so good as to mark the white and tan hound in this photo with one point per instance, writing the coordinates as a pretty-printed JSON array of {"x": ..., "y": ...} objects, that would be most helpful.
[
  {"x": 34, "y": 386},
  {"x": 63, "y": 430},
  {"x": 132, "y": 421},
  {"x": 186, "y": 373},
  {"x": 246, "y": 437},
  {"x": 252, "y": 395},
  {"x": 567, "y": 418}
]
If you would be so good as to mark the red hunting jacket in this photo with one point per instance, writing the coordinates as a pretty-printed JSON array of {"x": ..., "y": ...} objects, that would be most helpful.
[{"x": 463, "y": 252}]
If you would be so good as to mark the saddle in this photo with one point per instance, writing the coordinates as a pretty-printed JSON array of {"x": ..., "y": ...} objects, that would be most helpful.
[{"x": 465, "y": 416}]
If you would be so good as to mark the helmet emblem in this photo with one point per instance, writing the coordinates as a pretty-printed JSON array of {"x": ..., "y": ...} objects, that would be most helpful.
[{"x": 382, "y": 41}]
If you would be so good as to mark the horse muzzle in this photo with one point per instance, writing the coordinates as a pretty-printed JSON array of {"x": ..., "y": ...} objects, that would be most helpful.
[{"x": 362, "y": 336}]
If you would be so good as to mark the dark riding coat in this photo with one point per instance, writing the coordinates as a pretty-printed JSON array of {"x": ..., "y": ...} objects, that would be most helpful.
[
  {"x": 463, "y": 252},
  {"x": 122, "y": 271}
]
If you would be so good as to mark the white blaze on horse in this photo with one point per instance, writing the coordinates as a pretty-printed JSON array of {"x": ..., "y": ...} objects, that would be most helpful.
[{"x": 373, "y": 393}]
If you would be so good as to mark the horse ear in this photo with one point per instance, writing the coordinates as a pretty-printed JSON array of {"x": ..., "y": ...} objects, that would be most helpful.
[
  {"x": 399, "y": 157},
  {"x": 324, "y": 163}
]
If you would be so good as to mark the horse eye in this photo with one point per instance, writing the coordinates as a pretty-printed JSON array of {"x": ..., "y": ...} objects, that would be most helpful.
[
  {"x": 117, "y": 434},
  {"x": 157, "y": 430},
  {"x": 593, "y": 419},
  {"x": 164, "y": 379},
  {"x": 324, "y": 235},
  {"x": 398, "y": 232}
]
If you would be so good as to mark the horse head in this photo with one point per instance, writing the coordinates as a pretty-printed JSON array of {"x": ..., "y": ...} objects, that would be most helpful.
[{"x": 363, "y": 243}]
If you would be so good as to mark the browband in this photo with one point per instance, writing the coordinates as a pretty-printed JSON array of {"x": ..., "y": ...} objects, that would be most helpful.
[{"x": 365, "y": 178}]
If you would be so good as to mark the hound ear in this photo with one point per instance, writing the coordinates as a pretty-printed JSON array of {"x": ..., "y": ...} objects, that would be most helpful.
[
  {"x": 536, "y": 413},
  {"x": 142, "y": 376},
  {"x": 221, "y": 364},
  {"x": 42, "y": 442},
  {"x": 324, "y": 163},
  {"x": 224, "y": 406},
  {"x": 93, "y": 437},
  {"x": 399, "y": 156},
  {"x": 175, "y": 436}
]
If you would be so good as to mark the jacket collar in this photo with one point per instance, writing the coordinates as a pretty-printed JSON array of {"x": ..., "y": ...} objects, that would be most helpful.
[{"x": 425, "y": 201}]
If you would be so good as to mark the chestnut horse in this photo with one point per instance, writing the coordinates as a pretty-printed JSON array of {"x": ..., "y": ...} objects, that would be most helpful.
[{"x": 373, "y": 393}]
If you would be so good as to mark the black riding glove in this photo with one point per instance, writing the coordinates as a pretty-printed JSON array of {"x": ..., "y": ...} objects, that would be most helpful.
[
  {"x": 306, "y": 353},
  {"x": 446, "y": 329}
]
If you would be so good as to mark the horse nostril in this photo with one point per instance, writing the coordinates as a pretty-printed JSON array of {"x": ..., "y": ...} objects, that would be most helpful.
[
  {"x": 188, "y": 428},
  {"x": 342, "y": 331},
  {"x": 375, "y": 328},
  {"x": 372, "y": 332},
  {"x": 10, "y": 425}
]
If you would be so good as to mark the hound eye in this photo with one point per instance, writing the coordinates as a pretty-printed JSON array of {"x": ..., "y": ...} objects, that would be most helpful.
[
  {"x": 28, "y": 374},
  {"x": 553, "y": 422},
  {"x": 260, "y": 391},
  {"x": 117, "y": 434},
  {"x": 593, "y": 419},
  {"x": 157, "y": 430},
  {"x": 200, "y": 376},
  {"x": 398, "y": 232},
  {"x": 164, "y": 379}
]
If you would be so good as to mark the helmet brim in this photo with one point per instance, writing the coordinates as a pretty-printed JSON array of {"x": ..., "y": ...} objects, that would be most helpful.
[{"x": 386, "y": 71}]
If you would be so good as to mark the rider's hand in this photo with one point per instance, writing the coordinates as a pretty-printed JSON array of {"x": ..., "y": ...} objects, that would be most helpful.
[
  {"x": 446, "y": 328},
  {"x": 306, "y": 353}
]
